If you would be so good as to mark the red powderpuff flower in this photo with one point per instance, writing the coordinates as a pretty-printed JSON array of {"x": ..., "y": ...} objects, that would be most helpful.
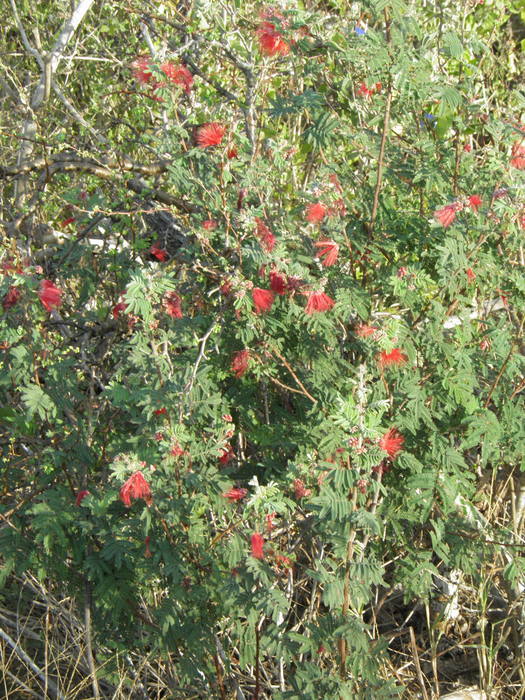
[
  {"x": 232, "y": 152},
  {"x": 80, "y": 496},
  {"x": 209, "y": 224},
  {"x": 161, "y": 411},
  {"x": 283, "y": 561},
  {"x": 396, "y": 358},
  {"x": 178, "y": 75},
  {"x": 364, "y": 91},
  {"x": 135, "y": 487},
  {"x": 263, "y": 299},
  {"x": 68, "y": 221},
  {"x": 240, "y": 198},
  {"x": 392, "y": 443},
  {"x": 49, "y": 295},
  {"x": 315, "y": 213},
  {"x": 471, "y": 275},
  {"x": 467, "y": 148},
  {"x": 264, "y": 235},
  {"x": 278, "y": 282},
  {"x": 235, "y": 494},
  {"x": 159, "y": 253},
  {"x": 141, "y": 69},
  {"x": 121, "y": 306},
  {"x": 172, "y": 304},
  {"x": 176, "y": 450},
  {"x": 300, "y": 490},
  {"x": 240, "y": 362},
  {"x": 518, "y": 156},
  {"x": 257, "y": 542},
  {"x": 329, "y": 250},
  {"x": 210, "y": 134},
  {"x": 227, "y": 454},
  {"x": 11, "y": 297},
  {"x": 318, "y": 301},
  {"x": 226, "y": 287},
  {"x": 475, "y": 201},
  {"x": 365, "y": 331},
  {"x": 446, "y": 214},
  {"x": 271, "y": 42}
]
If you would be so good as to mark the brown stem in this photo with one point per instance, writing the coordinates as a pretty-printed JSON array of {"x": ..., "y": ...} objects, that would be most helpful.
[
  {"x": 257, "y": 664},
  {"x": 500, "y": 374},
  {"x": 346, "y": 589},
  {"x": 289, "y": 368},
  {"x": 220, "y": 681},
  {"x": 89, "y": 639}
]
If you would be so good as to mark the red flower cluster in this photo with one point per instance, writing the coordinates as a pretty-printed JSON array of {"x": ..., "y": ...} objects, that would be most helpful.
[
  {"x": 121, "y": 306},
  {"x": 329, "y": 250},
  {"x": 141, "y": 69},
  {"x": 227, "y": 454},
  {"x": 317, "y": 302},
  {"x": 175, "y": 73},
  {"x": 49, "y": 295},
  {"x": 271, "y": 42},
  {"x": 447, "y": 214},
  {"x": 263, "y": 299},
  {"x": 172, "y": 304},
  {"x": 240, "y": 362},
  {"x": 257, "y": 542},
  {"x": 176, "y": 450},
  {"x": 178, "y": 75},
  {"x": 235, "y": 494},
  {"x": 209, "y": 224},
  {"x": 11, "y": 297},
  {"x": 518, "y": 156},
  {"x": 392, "y": 443},
  {"x": 210, "y": 135},
  {"x": 265, "y": 236},
  {"x": 80, "y": 496},
  {"x": 475, "y": 201},
  {"x": 278, "y": 283},
  {"x": 367, "y": 92},
  {"x": 159, "y": 253},
  {"x": 300, "y": 489},
  {"x": 395, "y": 358},
  {"x": 135, "y": 487},
  {"x": 315, "y": 213},
  {"x": 365, "y": 331}
]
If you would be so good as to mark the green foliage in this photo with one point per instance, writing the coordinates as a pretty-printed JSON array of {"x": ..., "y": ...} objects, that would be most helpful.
[{"x": 135, "y": 369}]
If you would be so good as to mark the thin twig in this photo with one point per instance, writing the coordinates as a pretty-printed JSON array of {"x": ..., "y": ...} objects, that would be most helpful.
[
  {"x": 52, "y": 688},
  {"x": 416, "y": 663},
  {"x": 289, "y": 368}
]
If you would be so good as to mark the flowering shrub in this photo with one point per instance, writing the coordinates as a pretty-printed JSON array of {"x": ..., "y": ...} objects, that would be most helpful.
[{"x": 244, "y": 445}]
